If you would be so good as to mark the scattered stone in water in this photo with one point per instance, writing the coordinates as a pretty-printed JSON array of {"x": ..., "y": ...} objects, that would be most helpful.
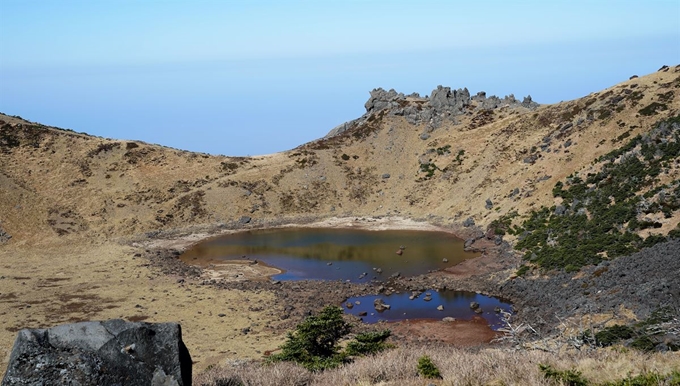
[
  {"x": 349, "y": 305},
  {"x": 357, "y": 302},
  {"x": 399, "y": 252},
  {"x": 379, "y": 270},
  {"x": 497, "y": 310},
  {"x": 445, "y": 260},
  {"x": 427, "y": 297},
  {"x": 329, "y": 263},
  {"x": 440, "y": 307},
  {"x": 401, "y": 247},
  {"x": 396, "y": 275},
  {"x": 363, "y": 313},
  {"x": 448, "y": 319},
  {"x": 478, "y": 311},
  {"x": 380, "y": 305},
  {"x": 474, "y": 305}
]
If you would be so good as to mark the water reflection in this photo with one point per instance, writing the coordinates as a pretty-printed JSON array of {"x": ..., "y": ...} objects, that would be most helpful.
[
  {"x": 406, "y": 305},
  {"x": 336, "y": 254}
]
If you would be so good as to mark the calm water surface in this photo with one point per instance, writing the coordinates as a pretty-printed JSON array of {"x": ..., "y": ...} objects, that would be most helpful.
[
  {"x": 336, "y": 254},
  {"x": 456, "y": 304}
]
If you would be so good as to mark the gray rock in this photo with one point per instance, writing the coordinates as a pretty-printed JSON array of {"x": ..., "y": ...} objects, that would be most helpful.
[
  {"x": 424, "y": 136},
  {"x": 469, "y": 222},
  {"x": 381, "y": 99},
  {"x": 112, "y": 352},
  {"x": 386, "y": 176},
  {"x": 380, "y": 305},
  {"x": 528, "y": 103},
  {"x": 244, "y": 220},
  {"x": 442, "y": 99},
  {"x": 341, "y": 128},
  {"x": 4, "y": 236},
  {"x": 489, "y": 204}
]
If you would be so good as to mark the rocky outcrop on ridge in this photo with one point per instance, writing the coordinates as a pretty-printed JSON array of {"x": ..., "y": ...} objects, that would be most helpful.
[
  {"x": 113, "y": 352},
  {"x": 442, "y": 104}
]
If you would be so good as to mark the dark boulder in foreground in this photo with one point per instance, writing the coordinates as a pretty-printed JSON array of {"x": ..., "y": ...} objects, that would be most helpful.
[{"x": 112, "y": 352}]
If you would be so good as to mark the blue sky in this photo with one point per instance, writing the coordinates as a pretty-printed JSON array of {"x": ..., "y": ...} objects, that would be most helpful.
[{"x": 256, "y": 77}]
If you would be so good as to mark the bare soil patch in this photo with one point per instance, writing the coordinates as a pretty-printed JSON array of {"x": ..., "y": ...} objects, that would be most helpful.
[{"x": 460, "y": 333}]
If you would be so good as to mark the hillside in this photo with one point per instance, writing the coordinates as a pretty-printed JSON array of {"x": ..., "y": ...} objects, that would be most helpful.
[{"x": 84, "y": 221}]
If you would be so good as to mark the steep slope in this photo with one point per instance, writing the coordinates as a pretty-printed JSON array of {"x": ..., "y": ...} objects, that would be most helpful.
[{"x": 392, "y": 161}]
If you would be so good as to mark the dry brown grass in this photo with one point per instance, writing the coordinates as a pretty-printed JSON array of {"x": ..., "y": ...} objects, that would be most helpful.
[
  {"x": 489, "y": 366},
  {"x": 114, "y": 192}
]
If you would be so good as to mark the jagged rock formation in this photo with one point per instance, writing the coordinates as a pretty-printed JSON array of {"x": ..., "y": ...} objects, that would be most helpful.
[
  {"x": 442, "y": 104},
  {"x": 113, "y": 352}
]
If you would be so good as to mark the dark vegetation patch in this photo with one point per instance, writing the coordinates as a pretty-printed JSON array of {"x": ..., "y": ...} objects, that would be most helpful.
[
  {"x": 572, "y": 377},
  {"x": 304, "y": 158},
  {"x": 187, "y": 207},
  {"x": 601, "y": 212},
  {"x": 652, "y": 109},
  {"x": 428, "y": 168},
  {"x": 102, "y": 148},
  {"x": 315, "y": 342},
  {"x": 12, "y": 136},
  {"x": 64, "y": 221}
]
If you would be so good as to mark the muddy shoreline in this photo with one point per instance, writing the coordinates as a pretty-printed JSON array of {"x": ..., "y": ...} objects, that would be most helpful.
[
  {"x": 295, "y": 300},
  {"x": 543, "y": 300}
]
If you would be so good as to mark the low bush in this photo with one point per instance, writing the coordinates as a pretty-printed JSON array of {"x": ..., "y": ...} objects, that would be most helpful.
[
  {"x": 613, "y": 334},
  {"x": 314, "y": 343},
  {"x": 564, "y": 377},
  {"x": 427, "y": 369}
]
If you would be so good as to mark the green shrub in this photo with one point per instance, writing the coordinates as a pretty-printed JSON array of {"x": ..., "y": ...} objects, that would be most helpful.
[
  {"x": 564, "y": 377},
  {"x": 643, "y": 343},
  {"x": 613, "y": 334},
  {"x": 429, "y": 168},
  {"x": 646, "y": 379},
  {"x": 368, "y": 343},
  {"x": 444, "y": 150},
  {"x": 314, "y": 343},
  {"x": 600, "y": 213},
  {"x": 652, "y": 108},
  {"x": 427, "y": 369},
  {"x": 521, "y": 271}
]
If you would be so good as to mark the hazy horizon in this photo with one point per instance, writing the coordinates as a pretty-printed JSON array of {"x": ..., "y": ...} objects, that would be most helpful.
[{"x": 247, "y": 78}]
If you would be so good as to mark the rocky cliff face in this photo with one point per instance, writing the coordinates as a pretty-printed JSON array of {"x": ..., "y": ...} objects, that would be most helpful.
[{"x": 442, "y": 105}]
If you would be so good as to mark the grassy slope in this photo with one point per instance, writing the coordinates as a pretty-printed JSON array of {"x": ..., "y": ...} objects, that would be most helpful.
[
  {"x": 98, "y": 187},
  {"x": 59, "y": 188}
]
